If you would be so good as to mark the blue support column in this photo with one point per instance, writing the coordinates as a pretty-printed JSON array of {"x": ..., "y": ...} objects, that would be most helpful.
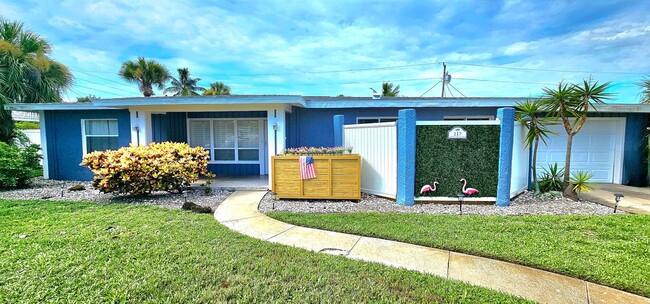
[
  {"x": 406, "y": 157},
  {"x": 507, "y": 118},
  {"x": 339, "y": 121}
]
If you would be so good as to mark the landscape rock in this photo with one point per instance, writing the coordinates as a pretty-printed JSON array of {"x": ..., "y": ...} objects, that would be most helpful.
[
  {"x": 77, "y": 188},
  {"x": 196, "y": 208}
]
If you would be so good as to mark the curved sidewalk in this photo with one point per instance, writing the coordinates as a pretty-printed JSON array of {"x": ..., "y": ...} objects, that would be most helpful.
[{"x": 239, "y": 212}]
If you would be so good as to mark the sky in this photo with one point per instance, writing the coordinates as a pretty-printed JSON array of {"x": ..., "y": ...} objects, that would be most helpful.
[{"x": 491, "y": 48}]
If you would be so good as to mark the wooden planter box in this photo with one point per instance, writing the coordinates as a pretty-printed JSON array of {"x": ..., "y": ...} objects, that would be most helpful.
[{"x": 337, "y": 177}]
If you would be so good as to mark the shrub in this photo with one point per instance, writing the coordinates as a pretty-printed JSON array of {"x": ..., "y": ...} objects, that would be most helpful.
[
  {"x": 580, "y": 181},
  {"x": 141, "y": 170},
  {"x": 18, "y": 165},
  {"x": 27, "y": 125},
  {"x": 551, "y": 179}
]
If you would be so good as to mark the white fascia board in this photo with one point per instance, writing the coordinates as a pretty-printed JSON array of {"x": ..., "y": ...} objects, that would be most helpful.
[
  {"x": 203, "y": 100},
  {"x": 412, "y": 103},
  {"x": 35, "y": 107}
]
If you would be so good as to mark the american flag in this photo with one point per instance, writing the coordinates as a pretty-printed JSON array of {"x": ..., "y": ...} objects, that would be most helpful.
[{"x": 307, "y": 170}]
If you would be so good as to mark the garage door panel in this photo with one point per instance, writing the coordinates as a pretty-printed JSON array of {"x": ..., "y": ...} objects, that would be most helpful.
[
  {"x": 602, "y": 141},
  {"x": 579, "y": 142},
  {"x": 579, "y": 157},
  {"x": 593, "y": 150},
  {"x": 601, "y": 157},
  {"x": 603, "y": 127}
]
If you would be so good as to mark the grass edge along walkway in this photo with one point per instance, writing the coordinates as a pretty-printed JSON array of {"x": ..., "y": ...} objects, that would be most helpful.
[
  {"x": 240, "y": 213},
  {"x": 536, "y": 241}
]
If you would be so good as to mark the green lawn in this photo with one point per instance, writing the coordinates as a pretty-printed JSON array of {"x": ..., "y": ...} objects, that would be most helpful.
[
  {"x": 610, "y": 250},
  {"x": 88, "y": 253}
]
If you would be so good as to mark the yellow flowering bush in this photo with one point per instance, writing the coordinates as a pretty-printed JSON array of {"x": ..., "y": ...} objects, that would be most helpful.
[{"x": 140, "y": 170}]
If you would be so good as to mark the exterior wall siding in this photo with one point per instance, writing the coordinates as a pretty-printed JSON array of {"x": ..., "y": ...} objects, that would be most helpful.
[
  {"x": 64, "y": 140},
  {"x": 313, "y": 127}
]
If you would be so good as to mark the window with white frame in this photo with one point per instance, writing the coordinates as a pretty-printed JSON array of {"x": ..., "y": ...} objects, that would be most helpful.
[
  {"x": 228, "y": 140},
  {"x": 475, "y": 117},
  {"x": 99, "y": 135},
  {"x": 366, "y": 120}
]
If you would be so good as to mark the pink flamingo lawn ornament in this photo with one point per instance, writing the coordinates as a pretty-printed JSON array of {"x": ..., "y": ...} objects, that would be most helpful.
[
  {"x": 467, "y": 191},
  {"x": 428, "y": 188}
]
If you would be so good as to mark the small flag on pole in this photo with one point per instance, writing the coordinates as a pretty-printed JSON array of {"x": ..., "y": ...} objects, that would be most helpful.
[{"x": 307, "y": 170}]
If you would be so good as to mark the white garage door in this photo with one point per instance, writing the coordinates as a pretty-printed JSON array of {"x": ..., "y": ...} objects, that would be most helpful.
[{"x": 597, "y": 148}]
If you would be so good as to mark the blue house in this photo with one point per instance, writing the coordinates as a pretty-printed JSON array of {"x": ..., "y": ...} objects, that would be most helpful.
[{"x": 242, "y": 132}]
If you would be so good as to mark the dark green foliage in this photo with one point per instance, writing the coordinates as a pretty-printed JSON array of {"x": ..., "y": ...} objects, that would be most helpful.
[
  {"x": 18, "y": 165},
  {"x": 27, "y": 125},
  {"x": 448, "y": 160},
  {"x": 551, "y": 178}
]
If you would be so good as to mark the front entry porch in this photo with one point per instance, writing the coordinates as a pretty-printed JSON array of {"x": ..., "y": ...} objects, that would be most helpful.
[{"x": 249, "y": 182}]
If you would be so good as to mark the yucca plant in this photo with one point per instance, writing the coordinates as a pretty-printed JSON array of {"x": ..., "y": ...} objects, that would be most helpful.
[
  {"x": 580, "y": 180},
  {"x": 571, "y": 104},
  {"x": 527, "y": 113},
  {"x": 551, "y": 179}
]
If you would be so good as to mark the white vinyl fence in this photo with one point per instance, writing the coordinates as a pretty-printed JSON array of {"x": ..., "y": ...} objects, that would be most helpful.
[
  {"x": 377, "y": 145},
  {"x": 520, "y": 158}
]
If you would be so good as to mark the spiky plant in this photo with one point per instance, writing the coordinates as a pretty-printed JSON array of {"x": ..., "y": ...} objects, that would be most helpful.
[
  {"x": 184, "y": 85},
  {"x": 146, "y": 73},
  {"x": 571, "y": 103},
  {"x": 528, "y": 113}
]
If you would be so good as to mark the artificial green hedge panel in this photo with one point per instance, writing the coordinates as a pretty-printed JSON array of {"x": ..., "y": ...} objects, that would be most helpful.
[{"x": 448, "y": 160}]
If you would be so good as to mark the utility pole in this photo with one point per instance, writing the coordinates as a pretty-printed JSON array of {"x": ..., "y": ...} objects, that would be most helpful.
[{"x": 444, "y": 75}]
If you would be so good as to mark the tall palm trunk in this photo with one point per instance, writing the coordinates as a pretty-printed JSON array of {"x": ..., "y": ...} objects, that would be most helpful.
[{"x": 568, "y": 188}]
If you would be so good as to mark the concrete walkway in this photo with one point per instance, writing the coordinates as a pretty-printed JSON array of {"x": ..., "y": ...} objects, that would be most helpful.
[
  {"x": 239, "y": 212},
  {"x": 636, "y": 200}
]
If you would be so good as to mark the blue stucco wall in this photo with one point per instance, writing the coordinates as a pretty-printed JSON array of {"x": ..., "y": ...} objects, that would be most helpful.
[
  {"x": 173, "y": 127},
  {"x": 64, "y": 147},
  {"x": 313, "y": 127}
]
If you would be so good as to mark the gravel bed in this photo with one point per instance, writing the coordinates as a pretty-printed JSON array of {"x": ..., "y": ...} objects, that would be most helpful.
[
  {"x": 526, "y": 203},
  {"x": 50, "y": 190}
]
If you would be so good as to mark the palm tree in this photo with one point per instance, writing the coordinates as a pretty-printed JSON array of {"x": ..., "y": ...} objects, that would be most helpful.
[
  {"x": 217, "y": 88},
  {"x": 388, "y": 90},
  {"x": 645, "y": 90},
  {"x": 184, "y": 85},
  {"x": 571, "y": 103},
  {"x": 146, "y": 73},
  {"x": 528, "y": 114},
  {"x": 27, "y": 74}
]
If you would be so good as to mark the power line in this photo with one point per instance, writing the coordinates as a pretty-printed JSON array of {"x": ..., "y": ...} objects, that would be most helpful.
[
  {"x": 504, "y": 81},
  {"x": 104, "y": 78},
  {"x": 431, "y": 88},
  {"x": 546, "y": 70},
  {"x": 108, "y": 86},
  {"x": 98, "y": 90}
]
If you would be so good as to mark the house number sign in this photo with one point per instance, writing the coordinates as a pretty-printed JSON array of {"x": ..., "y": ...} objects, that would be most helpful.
[{"x": 457, "y": 133}]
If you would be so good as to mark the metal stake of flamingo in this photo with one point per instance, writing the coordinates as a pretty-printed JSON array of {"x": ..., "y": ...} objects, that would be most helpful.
[
  {"x": 428, "y": 188},
  {"x": 467, "y": 191}
]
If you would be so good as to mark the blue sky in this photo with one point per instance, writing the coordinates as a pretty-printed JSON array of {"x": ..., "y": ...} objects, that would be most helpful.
[{"x": 292, "y": 47}]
